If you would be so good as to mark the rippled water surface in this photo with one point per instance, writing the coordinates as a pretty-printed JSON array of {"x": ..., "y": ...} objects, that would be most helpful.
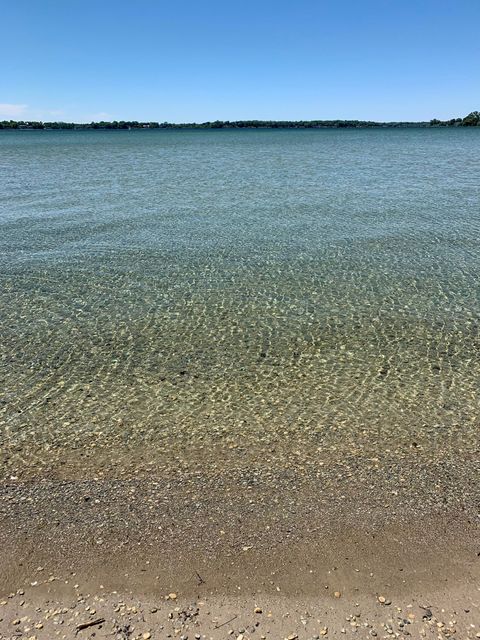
[{"x": 239, "y": 286}]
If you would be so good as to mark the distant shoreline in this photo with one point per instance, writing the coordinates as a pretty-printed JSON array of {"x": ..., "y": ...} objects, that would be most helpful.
[{"x": 471, "y": 120}]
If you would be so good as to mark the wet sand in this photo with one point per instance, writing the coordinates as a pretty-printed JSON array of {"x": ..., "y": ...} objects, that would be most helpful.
[{"x": 338, "y": 546}]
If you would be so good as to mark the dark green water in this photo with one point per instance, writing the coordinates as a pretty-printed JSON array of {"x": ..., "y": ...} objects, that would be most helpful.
[{"x": 239, "y": 286}]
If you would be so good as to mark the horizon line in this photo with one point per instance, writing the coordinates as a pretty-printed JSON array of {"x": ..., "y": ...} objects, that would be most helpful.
[{"x": 472, "y": 119}]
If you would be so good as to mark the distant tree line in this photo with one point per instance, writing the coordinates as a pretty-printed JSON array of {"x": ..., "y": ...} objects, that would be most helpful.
[
  {"x": 472, "y": 120},
  {"x": 122, "y": 124}
]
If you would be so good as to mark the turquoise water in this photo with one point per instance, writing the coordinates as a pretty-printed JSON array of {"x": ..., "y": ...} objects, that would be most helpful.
[{"x": 239, "y": 287}]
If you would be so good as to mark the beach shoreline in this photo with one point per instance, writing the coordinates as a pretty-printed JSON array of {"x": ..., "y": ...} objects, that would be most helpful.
[{"x": 239, "y": 538}]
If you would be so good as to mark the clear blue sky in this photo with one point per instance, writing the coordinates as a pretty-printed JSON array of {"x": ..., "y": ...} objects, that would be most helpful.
[{"x": 195, "y": 61}]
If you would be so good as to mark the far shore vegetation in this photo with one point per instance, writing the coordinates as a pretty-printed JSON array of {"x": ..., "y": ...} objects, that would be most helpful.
[{"x": 472, "y": 120}]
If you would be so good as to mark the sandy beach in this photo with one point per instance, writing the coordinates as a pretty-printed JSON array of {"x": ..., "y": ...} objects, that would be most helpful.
[{"x": 239, "y": 545}]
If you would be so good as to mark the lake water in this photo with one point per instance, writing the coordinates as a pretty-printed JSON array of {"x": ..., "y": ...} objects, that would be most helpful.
[{"x": 315, "y": 287}]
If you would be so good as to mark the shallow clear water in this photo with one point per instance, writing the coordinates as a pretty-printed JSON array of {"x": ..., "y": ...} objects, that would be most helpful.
[{"x": 240, "y": 286}]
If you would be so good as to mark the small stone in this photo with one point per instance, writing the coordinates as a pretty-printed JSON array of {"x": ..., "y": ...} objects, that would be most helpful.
[
  {"x": 292, "y": 636},
  {"x": 147, "y": 635},
  {"x": 257, "y": 610},
  {"x": 381, "y": 599},
  {"x": 172, "y": 596},
  {"x": 337, "y": 594},
  {"x": 324, "y": 631}
]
